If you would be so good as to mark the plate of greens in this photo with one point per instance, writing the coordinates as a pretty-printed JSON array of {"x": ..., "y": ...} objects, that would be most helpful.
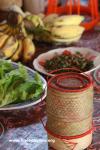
[
  {"x": 20, "y": 86},
  {"x": 84, "y": 59}
]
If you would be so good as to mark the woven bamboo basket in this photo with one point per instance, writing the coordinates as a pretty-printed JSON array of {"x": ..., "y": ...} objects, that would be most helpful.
[
  {"x": 63, "y": 128},
  {"x": 72, "y": 106},
  {"x": 69, "y": 106}
]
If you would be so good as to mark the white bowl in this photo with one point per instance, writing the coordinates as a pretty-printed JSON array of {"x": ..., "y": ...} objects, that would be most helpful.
[{"x": 85, "y": 51}]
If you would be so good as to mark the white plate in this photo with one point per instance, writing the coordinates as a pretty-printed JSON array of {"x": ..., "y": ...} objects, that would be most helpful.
[
  {"x": 27, "y": 103},
  {"x": 67, "y": 41},
  {"x": 85, "y": 51}
]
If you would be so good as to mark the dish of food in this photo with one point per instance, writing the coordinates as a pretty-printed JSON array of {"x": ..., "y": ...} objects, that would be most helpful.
[
  {"x": 20, "y": 86},
  {"x": 84, "y": 59}
]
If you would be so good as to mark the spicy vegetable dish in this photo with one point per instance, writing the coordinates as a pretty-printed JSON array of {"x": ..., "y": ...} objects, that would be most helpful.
[{"x": 68, "y": 60}]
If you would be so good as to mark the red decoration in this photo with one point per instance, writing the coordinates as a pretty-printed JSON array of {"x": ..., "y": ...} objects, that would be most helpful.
[{"x": 76, "y": 7}]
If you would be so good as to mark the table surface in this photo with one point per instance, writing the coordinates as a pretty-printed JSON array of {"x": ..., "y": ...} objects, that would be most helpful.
[{"x": 23, "y": 129}]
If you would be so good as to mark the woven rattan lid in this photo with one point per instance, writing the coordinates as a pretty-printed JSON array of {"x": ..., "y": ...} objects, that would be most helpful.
[{"x": 70, "y": 81}]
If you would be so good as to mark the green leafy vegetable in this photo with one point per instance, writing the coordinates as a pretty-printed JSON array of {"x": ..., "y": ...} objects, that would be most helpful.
[
  {"x": 4, "y": 68},
  {"x": 16, "y": 85}
]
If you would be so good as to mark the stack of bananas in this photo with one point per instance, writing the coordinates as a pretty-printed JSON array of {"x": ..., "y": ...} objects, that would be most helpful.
[
  {"x": 20, "y": 29},
  {"x": 52, "y": 28},
  {"x": 65, "y": 28},
  {"x": 62, "y": 29},
  {"x": 15, "y": 43}
]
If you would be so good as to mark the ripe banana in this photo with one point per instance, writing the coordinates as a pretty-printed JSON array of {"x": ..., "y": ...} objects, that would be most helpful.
[
  {"x": 67, "y": 32},
  {"x": 3, "y": 39},
  {"x": 8, "y": 31},
  {"x": 9, "y": 49},
  {"x": 9, "y": 41},
  {"x": 23, "y": 30},
  {"x": 50, "y": 18},
  {"x": 1, "y": 33},
  {"x": 20, "y": 19},
  {"x": 68, "y": 20},
  {"x": 31, "y": 36},
  {"x": 18, "y": 52},
  {"x": 3, "y": 27},
  {"x": 28, "y": 49}
]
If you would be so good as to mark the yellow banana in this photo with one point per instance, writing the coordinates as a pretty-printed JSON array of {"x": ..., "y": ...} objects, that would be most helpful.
[
  {"x": 8, "y": 31},
  {"x": 23, "y": 30},
  {"x": 3, "y": 27},
  {"x": 68, "y": 20},
  {"x": 67, "y": 32},
  {"x": 50, "y": 18},
  {"x": 3, "y": 39},
  {"x": 1, "y": 33},
  {"x": 9, "y": 50},
  {"x": 31, "y": 36},
  {"x": 18, "y": 52},
  {"x": 9, "y": 41},
  {"x": 13, "y": 31},
  {"x": 20, "y": 19},
  {"x": 28, "y": 49}
]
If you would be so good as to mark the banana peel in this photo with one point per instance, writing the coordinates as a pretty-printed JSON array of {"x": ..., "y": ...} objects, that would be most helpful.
[
  {"x": 18, "y": 52},
  {"x": 28, "y": 49}
]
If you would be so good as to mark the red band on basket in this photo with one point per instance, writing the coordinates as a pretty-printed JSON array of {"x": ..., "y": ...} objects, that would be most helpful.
[
  {"x": 72, "y": 72},
  {"x": 82, "y": 76},
  {"x": 61, "y": 78},
  {"x": 68, "y": 137},
  {"x": 62, "y": 139}
]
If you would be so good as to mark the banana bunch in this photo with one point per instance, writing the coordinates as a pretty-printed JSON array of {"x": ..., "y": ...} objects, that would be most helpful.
[
  {"x": 35, "y": 20},
  {"x": 36, "y": 29},
  {"x": 25, "y": 50},
  {"x": 17, "y": 49},
  {"x": 33, "y": 25},
  {"x": 52, "y": 28},
  {"x": 15, "y": 43},
  {"x": 64, "y": 29}
]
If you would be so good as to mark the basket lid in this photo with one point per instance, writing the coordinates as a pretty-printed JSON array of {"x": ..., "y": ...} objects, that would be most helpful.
[{"x": 70, "y": 82}]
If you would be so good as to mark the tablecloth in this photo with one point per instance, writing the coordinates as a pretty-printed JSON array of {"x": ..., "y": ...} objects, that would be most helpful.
[{"x": 23, "y": 129}]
